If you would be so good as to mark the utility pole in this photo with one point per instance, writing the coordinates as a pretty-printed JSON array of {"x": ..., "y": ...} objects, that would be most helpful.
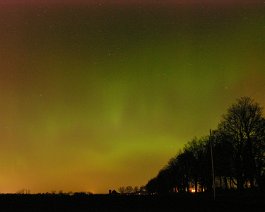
[{"x": 211, "y": 148}]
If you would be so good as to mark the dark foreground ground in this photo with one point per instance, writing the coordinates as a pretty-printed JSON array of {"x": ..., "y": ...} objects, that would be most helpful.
[{"x": 201, "y": 202}]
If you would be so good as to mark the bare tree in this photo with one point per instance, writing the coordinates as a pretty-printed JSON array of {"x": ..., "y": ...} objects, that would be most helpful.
[
  {"x": 122, "y": 190},
  {"x": 129, "y": 189},
  {"x": 242, "y": 122}
]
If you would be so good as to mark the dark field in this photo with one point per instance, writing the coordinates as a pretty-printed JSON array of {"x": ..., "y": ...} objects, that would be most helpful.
[{"x": 47, "y": 202}]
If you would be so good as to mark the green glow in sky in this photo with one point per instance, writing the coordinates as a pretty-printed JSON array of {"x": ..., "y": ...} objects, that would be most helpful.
[{"x": 94, "y": 98}]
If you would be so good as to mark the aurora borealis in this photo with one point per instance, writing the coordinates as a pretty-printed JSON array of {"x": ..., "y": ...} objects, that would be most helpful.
[{"x": 97, "y": 96}]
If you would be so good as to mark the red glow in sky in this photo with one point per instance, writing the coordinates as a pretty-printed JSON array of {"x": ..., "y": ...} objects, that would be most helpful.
[{"x": 129, "y": 2}]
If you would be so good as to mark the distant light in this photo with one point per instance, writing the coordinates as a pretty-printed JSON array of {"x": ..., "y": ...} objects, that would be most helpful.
[{"x": 192, "y": 190}]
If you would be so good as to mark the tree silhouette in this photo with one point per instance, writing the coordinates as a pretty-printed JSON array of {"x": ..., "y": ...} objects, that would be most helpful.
[
  {"x": 238, "y": 147},
  {"x": 259, "y": 155},
  {"x": 223, "y": 159},
  {"x": 242, "y": 123}
]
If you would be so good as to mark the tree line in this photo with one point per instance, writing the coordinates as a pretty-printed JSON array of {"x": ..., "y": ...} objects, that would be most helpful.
[{"x": 238, "y": 156}]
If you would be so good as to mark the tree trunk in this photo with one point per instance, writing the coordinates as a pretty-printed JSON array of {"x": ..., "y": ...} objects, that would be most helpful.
[
  {"x": 225, "y": 183},
  {"x": 196, "y": 185},
  {"x": 240, "y": 183}
]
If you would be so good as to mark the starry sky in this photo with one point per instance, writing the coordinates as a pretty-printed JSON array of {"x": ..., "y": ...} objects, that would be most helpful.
[{"x": 96, "y": 95}]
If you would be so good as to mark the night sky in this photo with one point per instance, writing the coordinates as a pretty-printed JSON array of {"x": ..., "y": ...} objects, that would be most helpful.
[{"x": 94, "y": 96}]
